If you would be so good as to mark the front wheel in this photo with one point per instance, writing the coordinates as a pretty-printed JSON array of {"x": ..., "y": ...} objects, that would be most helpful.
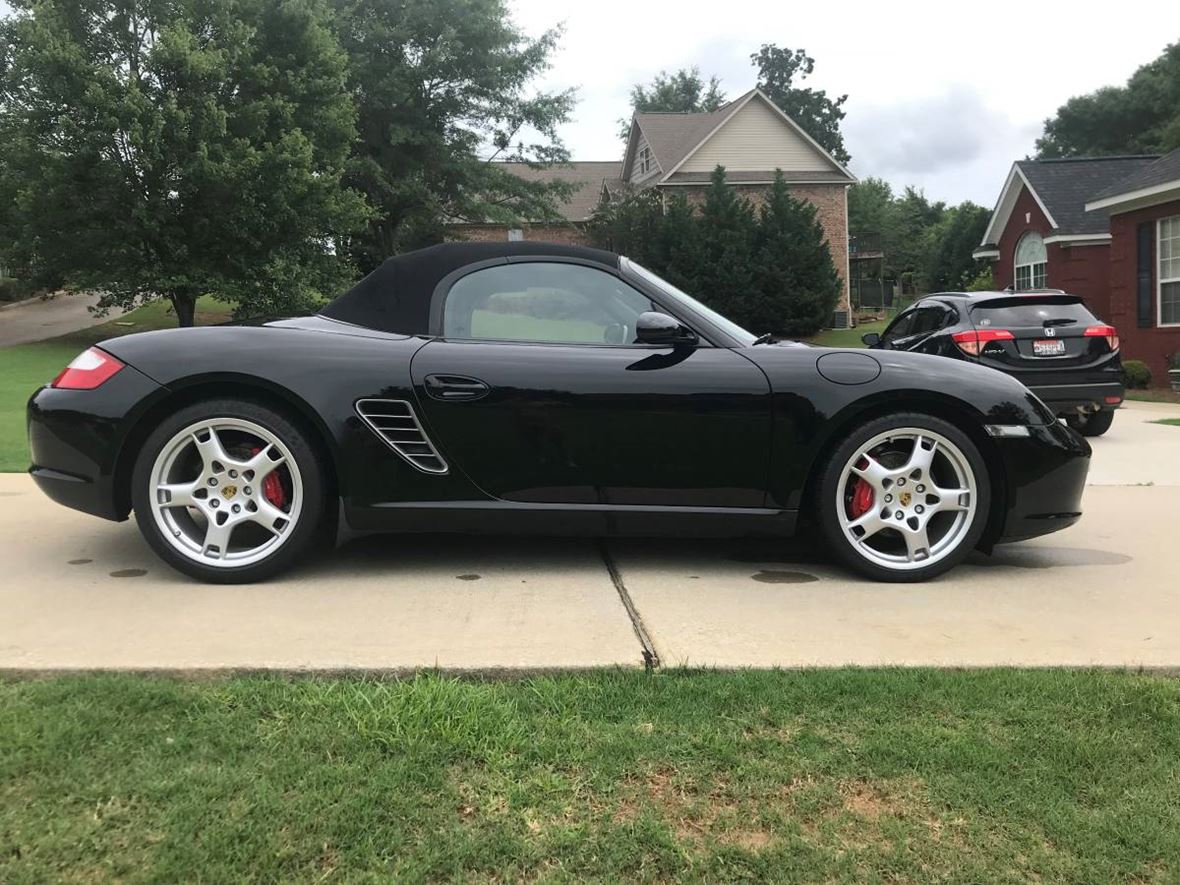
[
  {"x": 227, "y": 491},
  {"x": 904, "y": 498},
  {"x": 1094, "y": 424}
]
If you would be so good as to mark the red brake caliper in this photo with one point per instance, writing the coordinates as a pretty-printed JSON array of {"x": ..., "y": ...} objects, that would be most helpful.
[
  {"x": 272, "y": 486},
  {"x": 862, "y": 494}
]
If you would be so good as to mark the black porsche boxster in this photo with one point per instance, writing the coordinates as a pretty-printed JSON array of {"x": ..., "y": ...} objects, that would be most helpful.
[{"x": 530, "y": 387}]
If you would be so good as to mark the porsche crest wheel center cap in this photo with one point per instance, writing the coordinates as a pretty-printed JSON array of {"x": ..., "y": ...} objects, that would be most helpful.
[
  {"x": 228, "y": 492},
  {"x": 904, "y": 498}
]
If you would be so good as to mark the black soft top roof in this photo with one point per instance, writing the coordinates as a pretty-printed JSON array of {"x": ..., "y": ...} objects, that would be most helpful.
[{"x": 396, "y": 296}]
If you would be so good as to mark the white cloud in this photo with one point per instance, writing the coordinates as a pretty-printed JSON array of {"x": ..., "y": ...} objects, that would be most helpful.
[{"x": 940, "y": 95}]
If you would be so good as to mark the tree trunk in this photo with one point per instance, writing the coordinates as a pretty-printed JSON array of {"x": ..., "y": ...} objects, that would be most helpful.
[{"x": 185, "y": 305}]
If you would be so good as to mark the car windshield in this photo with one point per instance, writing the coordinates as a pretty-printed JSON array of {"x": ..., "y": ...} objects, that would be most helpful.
[{"x": 733, "y": 329}]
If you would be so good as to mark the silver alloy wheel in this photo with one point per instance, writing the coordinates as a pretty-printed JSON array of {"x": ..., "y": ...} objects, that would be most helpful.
[
  {"x": 923, "y": 498},
  {"x": 208, "y": 492}
]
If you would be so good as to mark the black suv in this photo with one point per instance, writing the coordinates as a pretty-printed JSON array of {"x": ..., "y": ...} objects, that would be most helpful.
[{"x": 1046, "y": 339}]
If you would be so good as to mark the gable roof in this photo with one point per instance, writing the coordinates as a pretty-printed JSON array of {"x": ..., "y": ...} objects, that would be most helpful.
[
  {"x": 1158, "y": 182},
  {"x": 589, "y": 177},
  {"x": 1061, "y": 188},
  {"x": 675, "y": 137}
]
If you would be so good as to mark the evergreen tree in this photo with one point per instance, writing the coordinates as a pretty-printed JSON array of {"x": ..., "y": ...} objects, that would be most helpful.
[
  {"x": 797, "y": 284},
  {"x": 725, "y": 275}
]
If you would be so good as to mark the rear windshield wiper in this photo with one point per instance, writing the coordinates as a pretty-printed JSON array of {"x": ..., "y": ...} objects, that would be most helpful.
[{"x": 1059, "y": 321}]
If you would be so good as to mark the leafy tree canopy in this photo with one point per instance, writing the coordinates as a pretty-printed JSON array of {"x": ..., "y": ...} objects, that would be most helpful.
[
  {"x": 685, "y": 91},
  {"x": 174, "y": 149},
  {"x": 779, "y": 69},
  {"x": 1142, "y": 117},
  {"x": 442, "y": 88}
]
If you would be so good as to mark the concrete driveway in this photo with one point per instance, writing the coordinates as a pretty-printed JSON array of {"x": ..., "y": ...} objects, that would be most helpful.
[
  {"x": 41, "y": 318},
  {"x": 82, "y": 593}
]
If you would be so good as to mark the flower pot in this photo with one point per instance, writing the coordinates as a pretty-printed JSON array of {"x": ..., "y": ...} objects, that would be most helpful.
[{"x": 1174, "y": 378}]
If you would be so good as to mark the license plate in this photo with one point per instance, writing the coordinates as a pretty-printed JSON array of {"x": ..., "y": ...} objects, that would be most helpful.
[{"x": 1049, "y": 347}]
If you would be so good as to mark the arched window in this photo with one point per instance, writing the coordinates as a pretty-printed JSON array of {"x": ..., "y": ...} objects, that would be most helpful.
[{"x": 1030, "y": 262}]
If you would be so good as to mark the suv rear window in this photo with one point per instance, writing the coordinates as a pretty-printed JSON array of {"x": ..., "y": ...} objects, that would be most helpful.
[{"x": 1006, "y": 314}]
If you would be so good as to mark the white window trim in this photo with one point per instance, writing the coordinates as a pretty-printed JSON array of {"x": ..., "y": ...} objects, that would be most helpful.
[
  {"x": 1159, "y": 274},
  {"x": 1031, "y": 265}
]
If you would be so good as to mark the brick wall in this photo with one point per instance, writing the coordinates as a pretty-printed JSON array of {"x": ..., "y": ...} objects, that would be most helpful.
[
  {"x": 1152, "y": 343},
  {"x": 571, "y": 234}
]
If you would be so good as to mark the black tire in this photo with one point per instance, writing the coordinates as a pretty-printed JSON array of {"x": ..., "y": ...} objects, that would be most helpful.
[
  {"x": 303, "y": 534},
  {"x": 830, "y": 497},
  {"x": 1094, "y": 424}
]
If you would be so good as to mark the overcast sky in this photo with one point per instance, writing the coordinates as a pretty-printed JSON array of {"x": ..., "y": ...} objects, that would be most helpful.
[{"x": 941, "y": 95}]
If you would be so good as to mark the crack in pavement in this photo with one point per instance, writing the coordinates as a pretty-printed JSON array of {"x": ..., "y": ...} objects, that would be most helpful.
[{"x": 651, "y": 660}]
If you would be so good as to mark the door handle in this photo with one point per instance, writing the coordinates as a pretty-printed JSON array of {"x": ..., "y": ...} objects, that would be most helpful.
[{"x": 452, "y": 388}]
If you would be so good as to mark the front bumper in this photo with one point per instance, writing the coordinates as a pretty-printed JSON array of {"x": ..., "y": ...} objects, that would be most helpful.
[
  {"x": 1045, "y": 474},
  {"x": 1066, "y": 398},
  {"x": 76, "y": 437}
]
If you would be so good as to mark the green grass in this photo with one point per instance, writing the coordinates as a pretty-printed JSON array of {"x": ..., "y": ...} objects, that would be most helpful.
[
  {"x": 844, "y": 775},
  {"x": 25, "y": 367},
  {"x": 847, "y": 337},
  {"x": 1155, "y": 395},
  {"x": 1171, "y": 422}
]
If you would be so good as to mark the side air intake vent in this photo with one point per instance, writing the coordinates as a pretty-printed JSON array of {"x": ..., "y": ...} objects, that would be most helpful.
[{"x": 395, "y": 422}]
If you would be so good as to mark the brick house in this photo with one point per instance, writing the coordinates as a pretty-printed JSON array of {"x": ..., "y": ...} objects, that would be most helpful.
[
  {"x": 677, "y": 152},
  {"x": 1103, "y": 228},
  {"x": 1144, "y": 211}
]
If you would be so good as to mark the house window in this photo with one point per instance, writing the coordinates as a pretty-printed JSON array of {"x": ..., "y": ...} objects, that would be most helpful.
[
  {"x": 645, "y": 160},
  {"x": 1169, "y": 271},
  {"x": 1030, "y": 262}
]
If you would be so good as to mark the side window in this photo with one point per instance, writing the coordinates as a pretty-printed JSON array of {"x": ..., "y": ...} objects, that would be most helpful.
[
  {"x": 543, "y": 302},
  {"x": 900, "y": 328},
  {"x": 929, "y": 319}
]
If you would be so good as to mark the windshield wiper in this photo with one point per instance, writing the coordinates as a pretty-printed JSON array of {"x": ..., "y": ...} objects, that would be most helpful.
[
  {"x": 1059, "y": 321},
  {"x": 764, "y": 338}
]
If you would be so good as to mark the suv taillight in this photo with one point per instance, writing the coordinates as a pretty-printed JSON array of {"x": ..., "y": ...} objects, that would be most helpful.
[
  {"x": 87, "y": 370},
  {"x": 1110, "y": 333},
  {"x": 974, "y": 341}
]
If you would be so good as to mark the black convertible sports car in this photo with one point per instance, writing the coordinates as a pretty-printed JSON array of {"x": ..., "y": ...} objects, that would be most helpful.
[{"x": 529, "y": 387}]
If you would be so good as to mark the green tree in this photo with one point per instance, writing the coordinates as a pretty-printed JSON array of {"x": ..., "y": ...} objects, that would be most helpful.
[
  {"x": 725, "y": 276},
  {"x": 443, "y": 91},
  {"x": 684, "y": 92},
  {"x": 1142, "y": 117},
  {"x": 908, "y": 243},
  {"x": 796, "y": 282},
  {"x": 818, "y": 115},
  {"x": 174, "y": 149},
  {"x": 950, "y": 242},
  {"x": 870, "y": 207}
]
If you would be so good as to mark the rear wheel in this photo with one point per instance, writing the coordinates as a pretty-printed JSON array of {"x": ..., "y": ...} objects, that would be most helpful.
[
  {"x": 904, "y": 498},
  {"x": 1093, "y": 424},
  {"x": 227, "y": 491}
]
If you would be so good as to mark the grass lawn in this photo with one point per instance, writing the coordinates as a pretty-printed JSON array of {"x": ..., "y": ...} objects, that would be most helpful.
[
  {"x": 847, "y": 337},
  {"x": 25, "y": 367},
  {"x": 1171, "y": 422},
  {"x": 843, "y": 775}
]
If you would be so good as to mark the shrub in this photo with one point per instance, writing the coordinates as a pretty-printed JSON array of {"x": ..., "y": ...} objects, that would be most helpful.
[
  {"x": 1136, "y": 374},
  {"x": 11, "y": 289}
]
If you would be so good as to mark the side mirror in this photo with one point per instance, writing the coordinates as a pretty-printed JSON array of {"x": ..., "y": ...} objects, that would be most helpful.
[
  {"x": 653, "y": 327},
  {"x": 871, "y": 339}
]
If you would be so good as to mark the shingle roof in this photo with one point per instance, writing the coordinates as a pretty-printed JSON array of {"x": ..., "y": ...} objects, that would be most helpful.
[
  {"x": 1065, "y": 185},
  {"x": 672, "y": 135},
  {"x": 588, "y": 176},
  {"x": 1165, "y": 169}
]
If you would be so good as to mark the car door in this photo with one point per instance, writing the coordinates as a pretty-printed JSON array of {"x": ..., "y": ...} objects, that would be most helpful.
[
  {"x": 537, "y": 391},
  {"x": 915, "y": 330}
]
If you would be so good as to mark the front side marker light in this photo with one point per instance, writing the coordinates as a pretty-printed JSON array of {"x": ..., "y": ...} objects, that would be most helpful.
[{"x": 1008, "y": 431}]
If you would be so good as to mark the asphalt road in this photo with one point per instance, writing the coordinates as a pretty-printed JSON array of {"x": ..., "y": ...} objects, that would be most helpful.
[{"x": 81, "y": 593}]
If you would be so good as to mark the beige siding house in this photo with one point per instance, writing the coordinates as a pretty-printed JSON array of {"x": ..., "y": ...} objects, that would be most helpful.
[{"x": 676, "y": 153}]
